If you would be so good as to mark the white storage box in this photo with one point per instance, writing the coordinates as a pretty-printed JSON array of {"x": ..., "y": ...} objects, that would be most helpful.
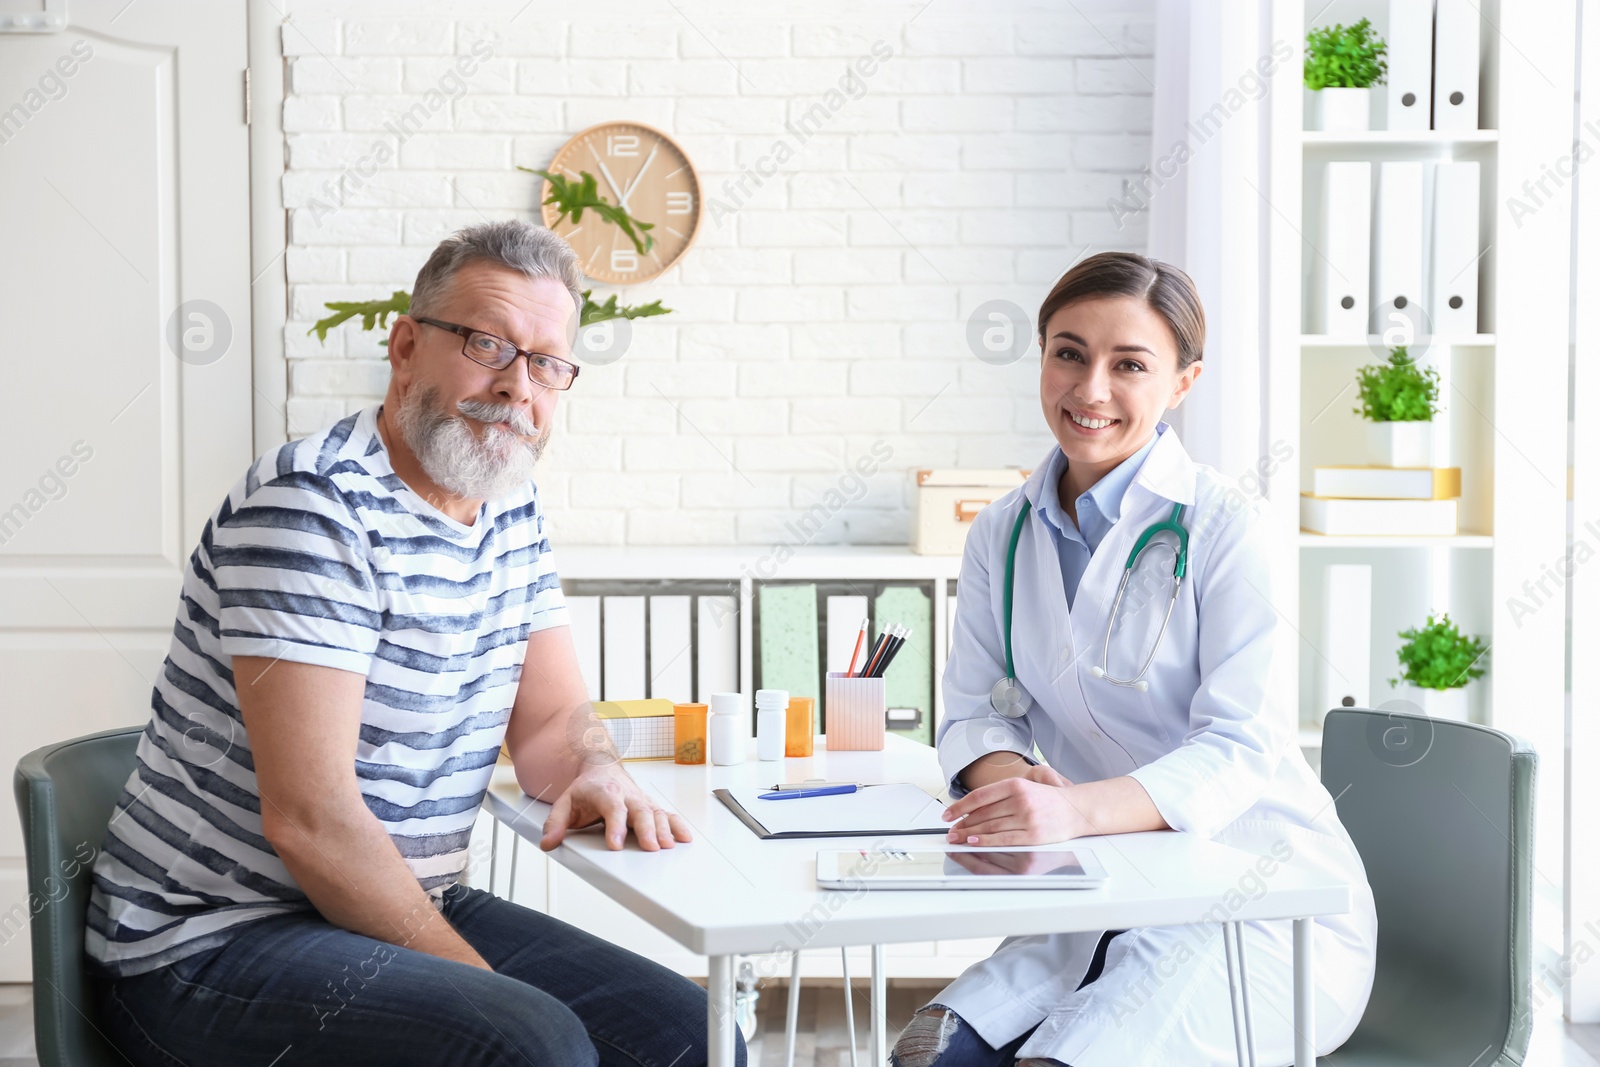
[{"x": 948, "y": 501}]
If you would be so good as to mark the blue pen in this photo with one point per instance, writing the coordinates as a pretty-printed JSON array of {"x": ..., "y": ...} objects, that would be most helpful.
[{"x": 821, "y": 791}]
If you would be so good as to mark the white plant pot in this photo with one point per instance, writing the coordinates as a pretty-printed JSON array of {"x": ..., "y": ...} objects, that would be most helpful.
[
  {"x": 1448, "y": 704},
  {"x": 1342, "y": 110},
  {"x": 1400, "y": 444}
]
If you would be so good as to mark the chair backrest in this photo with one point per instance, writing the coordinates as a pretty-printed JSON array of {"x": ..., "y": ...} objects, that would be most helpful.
[
  {"x": 1442, "y": 815},
  {"x": 65, "y": 795}
]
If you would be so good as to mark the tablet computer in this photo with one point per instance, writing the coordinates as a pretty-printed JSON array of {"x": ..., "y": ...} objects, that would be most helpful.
[{"x": 913, "y": 868}]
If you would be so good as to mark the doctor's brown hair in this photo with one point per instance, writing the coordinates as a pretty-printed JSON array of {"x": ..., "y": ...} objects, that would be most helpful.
[{"x": 1165, "y": 289}]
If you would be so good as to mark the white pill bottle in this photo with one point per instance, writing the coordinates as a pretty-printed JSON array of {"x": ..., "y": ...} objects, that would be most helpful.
[
  {"x": 772, "y": 721},
  {"x": 730, "y": 729}
]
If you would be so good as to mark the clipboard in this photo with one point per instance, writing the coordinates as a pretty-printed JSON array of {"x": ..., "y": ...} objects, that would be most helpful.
[{"x": 871, "y": 811}]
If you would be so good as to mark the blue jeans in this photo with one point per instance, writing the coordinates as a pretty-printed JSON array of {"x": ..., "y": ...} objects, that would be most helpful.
[{"x": 296, "y": 991}]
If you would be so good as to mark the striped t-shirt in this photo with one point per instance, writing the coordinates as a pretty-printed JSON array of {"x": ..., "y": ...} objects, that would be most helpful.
[{"x": 321, "y": 555}]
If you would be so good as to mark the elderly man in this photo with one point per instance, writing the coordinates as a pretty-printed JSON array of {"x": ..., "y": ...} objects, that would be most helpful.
[{"x": 366, "y": 618}]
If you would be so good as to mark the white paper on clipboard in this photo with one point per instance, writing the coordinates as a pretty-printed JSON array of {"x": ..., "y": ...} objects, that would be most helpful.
[{"x": 897, "y": 808}]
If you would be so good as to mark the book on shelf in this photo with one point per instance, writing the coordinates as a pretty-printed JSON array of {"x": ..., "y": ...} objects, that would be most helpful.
[
  {"x": 1377, "y": 518},
  {"x": 1387, "y": 483}
]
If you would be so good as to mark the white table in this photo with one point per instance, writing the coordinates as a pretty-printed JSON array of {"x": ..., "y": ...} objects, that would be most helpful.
[{"x": 729, "y": 893}]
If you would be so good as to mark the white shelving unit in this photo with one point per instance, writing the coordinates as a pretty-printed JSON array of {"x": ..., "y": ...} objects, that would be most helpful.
[
  {"x": 1513, "y": 471},
  {"x": 1505, "y": 388}
]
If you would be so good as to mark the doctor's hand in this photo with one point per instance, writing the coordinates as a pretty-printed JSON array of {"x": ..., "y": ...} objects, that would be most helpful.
[
  {"x": 608, "y": 794},
  {"x": 1033, "y": 808}
]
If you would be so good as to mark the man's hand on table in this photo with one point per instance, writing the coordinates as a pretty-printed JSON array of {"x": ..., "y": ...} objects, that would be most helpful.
[{"x": 606, "y": 793}]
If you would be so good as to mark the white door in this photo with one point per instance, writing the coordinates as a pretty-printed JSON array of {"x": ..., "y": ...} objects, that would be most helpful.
[{"x": 124, "y": 210}]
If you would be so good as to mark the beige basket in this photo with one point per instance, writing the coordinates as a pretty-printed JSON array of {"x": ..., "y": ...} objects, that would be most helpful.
[{"x": 854, "y": 713}]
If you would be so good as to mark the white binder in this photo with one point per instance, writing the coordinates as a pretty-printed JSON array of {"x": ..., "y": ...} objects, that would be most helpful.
[
  {"x": 1397, "y": 251},
  {"x": 716, "y": 646},
  {"x": 584, "y": 611},
  {"x": 1342, "y": 299},
  {"x": 844, "y": 626},
  {"x": 1346, "y": 636},
  {"x": 671, "y": 657},
  {"x": 1453, "y": 266},
  {"x": 622, "y": 621},
  {"x": 1456, "y": 45},
  {"x": 1410, "y": 57}
]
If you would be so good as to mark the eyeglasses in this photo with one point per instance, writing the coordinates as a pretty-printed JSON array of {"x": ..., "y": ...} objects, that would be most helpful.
[{"x": 496, "y": 353}]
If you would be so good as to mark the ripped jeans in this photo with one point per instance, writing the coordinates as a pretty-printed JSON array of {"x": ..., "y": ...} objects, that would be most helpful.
[{"x": 938, "y": 1037}]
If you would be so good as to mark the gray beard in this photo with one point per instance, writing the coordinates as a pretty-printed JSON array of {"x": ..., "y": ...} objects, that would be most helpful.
[{"x": 453, "y": 455}]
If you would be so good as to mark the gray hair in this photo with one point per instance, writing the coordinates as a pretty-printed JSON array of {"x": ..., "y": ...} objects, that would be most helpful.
[{"x": 521, "y": 246}]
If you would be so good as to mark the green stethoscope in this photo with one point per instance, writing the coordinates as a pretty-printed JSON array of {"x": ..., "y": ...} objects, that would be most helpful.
[{"x": 1008, "y": 696}]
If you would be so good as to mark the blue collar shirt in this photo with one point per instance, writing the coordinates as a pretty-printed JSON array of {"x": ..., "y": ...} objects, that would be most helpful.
[{"x": 1098, "y": 509}]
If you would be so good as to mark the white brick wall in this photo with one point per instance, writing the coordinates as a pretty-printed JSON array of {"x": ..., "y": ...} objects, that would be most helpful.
[{"x": 826, "y": 313}]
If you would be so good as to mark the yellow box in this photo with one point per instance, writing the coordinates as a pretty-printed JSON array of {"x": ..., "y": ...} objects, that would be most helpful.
[{"x": 641, "y": 729}]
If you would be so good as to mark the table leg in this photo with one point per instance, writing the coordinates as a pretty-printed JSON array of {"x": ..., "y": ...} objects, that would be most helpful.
[
  {"x": 880, "y": 1009},
  {"x": 792, "y": 1020},
  {"x": 1233, "y": 994},
  {"x": 511, "y": 888},
  {"x": 494, "y": 853},
  {"x": 721, "y": 1022},
  {"x": 1244, "y": 994},
  {"x": 849, "y": 1002},
  {"x": 1305, "y": 991}
]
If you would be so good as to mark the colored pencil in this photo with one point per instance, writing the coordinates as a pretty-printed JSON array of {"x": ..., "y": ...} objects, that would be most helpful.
[{"x": 850, "y": 672}]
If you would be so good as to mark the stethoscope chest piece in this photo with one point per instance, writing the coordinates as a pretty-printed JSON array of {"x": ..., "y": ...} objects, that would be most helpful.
[{"x": 1009, "y": 698}]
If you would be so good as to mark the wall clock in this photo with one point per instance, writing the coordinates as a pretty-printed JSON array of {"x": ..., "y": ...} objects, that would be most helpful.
[{"x": 645, "y": 172}]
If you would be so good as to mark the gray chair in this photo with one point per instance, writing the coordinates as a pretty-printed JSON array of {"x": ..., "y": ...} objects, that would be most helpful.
[
  {"x": 65, "y": 795},
  {"x": 1442, "y": 814}
]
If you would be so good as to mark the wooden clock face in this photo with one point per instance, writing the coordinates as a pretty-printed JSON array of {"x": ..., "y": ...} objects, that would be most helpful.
[{"x": 645, "y": 172}]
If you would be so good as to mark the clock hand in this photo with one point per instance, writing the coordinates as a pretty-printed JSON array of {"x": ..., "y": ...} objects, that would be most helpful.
[
  {"x": 609, "y": 179},
  {"x": 631, "y": 185}
]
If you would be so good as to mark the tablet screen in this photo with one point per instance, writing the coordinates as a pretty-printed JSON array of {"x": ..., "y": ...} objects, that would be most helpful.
[{"x": 908, "y": 863}]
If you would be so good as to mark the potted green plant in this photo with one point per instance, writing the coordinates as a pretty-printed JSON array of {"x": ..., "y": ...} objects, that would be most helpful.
[
  {"x": 1399, "y": 400},
  {"x": 1342, "y": 65},
  {"x": 1436, "y": 663}
]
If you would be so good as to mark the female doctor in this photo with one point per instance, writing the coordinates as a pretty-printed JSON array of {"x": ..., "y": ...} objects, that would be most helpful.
[{"x": 1195, "y": 739}]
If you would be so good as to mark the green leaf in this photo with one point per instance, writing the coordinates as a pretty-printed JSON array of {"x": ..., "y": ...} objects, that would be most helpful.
[
  {"x": 1439, "y": 656},
  {"x": 372, "y": 312},
  {"x": 376, "y": 312},
  {"x": 572, "y": 199},
  {"x": 1345, "y": 57},
  {"x": 593, "y": 312},
  {"x": 1398, "y": 391}
]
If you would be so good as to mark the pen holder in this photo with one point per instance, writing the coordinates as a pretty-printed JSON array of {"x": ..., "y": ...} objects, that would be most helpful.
[{"x": 853, "y": 712}]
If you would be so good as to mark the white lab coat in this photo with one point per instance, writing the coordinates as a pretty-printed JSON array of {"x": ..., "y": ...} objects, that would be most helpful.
[{"x": 1212, "y": 742}]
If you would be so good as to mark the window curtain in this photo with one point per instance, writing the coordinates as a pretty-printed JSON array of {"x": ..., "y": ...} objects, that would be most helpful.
[{"x": 1207, "y": 196}]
